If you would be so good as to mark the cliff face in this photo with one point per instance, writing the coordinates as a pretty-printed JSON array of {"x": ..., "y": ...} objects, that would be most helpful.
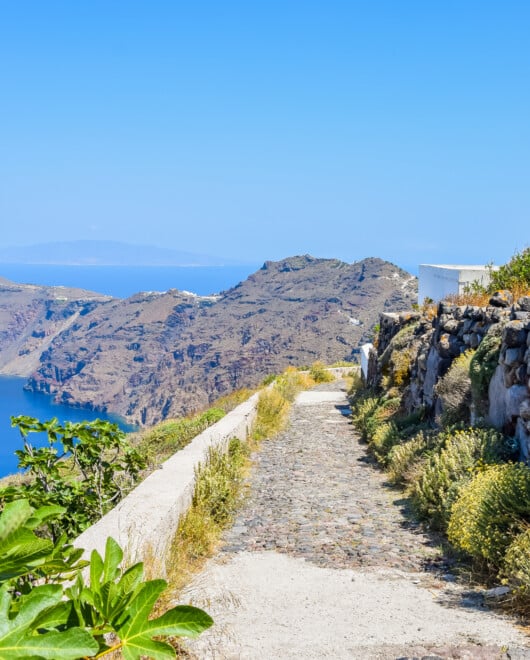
[
  {"x": 154, "y": 356},
  {"x": 32, "y": 316}
]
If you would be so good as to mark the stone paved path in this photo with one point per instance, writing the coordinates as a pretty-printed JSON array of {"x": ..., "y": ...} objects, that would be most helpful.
[
  {"x": 316, "y": 494},
  {"x": 317, "y": 499}
]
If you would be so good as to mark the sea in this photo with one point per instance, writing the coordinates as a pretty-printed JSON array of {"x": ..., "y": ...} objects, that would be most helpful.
[
  {"x": 124, "y": 281},
  {"x": 118, "y": 281}
]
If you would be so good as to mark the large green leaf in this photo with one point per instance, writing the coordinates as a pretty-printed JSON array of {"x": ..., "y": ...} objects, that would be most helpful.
[
  {"x": 21, "y": 551},
  {"x": 137, "y": 631},
  {"x": 13, "y": 517},
  {"x": 19, "y": 635}
]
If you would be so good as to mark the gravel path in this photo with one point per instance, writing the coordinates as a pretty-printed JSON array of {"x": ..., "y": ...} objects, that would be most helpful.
[{"x": 323, "y": 562}]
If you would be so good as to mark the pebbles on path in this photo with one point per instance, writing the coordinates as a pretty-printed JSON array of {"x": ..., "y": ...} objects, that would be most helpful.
[{"x": 353, "y": 581}]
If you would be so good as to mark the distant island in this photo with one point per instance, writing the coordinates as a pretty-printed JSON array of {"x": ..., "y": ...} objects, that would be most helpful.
[{"x": 106, "y": 253}]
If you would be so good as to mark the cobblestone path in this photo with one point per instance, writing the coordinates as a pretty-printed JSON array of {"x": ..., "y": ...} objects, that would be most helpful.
[
  {"x": 323, "y": 561},
  {"x": 316, "y": 494}
]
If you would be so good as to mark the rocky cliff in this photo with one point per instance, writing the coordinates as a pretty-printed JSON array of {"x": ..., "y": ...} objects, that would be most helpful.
[
  {"x": 156, "y": 355},
  {"x": 32, "y": 316}
]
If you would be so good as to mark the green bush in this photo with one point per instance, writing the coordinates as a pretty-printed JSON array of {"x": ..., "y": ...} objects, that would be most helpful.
[
  {"x": 516, "y": 568},
  {"x": 454, "y": 391},
  {"x": 291, "y": 382},
  {"x": 450, "y": 466},
  {"x": 319, "y": 373},
  {"x": 268, "y": 380},
  {"x": 491, "y": 511},
  {"x": 513, "y": 275},
  {"x": 383, "y": 439},
  {"x": 370, "y": 412},
  {"x": 217, "y": 483},
  {"x": 402, "y": 457},
  {"x": 85, "y": 467}
]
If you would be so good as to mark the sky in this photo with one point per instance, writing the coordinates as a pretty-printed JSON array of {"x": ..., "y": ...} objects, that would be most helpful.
[{"x": 261, "y": 129}]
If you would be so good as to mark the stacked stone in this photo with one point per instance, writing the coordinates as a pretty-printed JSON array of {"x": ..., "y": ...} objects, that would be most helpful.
[
  {"x": 457, "y": 328},
  {"x": 509, "y": 391},
  {"x": 390, "y": 324}
]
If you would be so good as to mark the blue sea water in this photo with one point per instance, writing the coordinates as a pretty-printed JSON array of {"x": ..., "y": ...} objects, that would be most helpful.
[
  {"x": 124, "y": 281},
  {"x": 118, "y": 281},
  {"x": 15, "y": 401}
]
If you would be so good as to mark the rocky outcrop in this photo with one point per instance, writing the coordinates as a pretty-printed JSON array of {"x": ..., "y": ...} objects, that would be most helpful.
[
  {"x": 154, "y": 356},
  {"x": 31, "y": 317},
  {"x": 432, "y": 344}
]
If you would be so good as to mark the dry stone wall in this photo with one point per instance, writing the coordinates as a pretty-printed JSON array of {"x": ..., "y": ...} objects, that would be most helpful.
[{"x": 420, "y": 348}]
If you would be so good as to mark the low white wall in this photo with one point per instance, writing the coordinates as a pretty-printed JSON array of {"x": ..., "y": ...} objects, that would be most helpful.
[
  {"x": 145, "y": 522},
  {"x": 365, "y": 354}
]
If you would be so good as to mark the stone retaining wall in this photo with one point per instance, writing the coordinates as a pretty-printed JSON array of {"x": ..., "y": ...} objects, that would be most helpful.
[
  {"x": 144, "y": 523},
  {"x": 436, "y": 341}
]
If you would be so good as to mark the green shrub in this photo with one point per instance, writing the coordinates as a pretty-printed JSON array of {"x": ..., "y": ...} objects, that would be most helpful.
[
  {"x": 319, "y": 373},
  {"x": 85, "y": 467},
  {"x": 218, "y": 489},
  {"x": 491, "y": 510},
  {"x": 370, "y": 412},
  {"x": 217, "y": 484},
  {"x": 454, "y": 391},
  {"x": 384, "y": 437},
  {"x": 482, "y": 367},
  {"x": 450, "y": 466},
  {"x": 516, "y": 568},
  {"x": 513, "y": 275},
  {"x": 403, "y": 456},
  {"x": 268, "y": 380}
]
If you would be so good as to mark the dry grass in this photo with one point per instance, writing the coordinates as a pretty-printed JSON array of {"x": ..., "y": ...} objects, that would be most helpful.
[
  {"x": 473, "y": 298},
  {"x": 319, "y": 373},
  {"x": 482, "y": 298},
  {"x": 274, "y": 403},
  {"x": 273, "y": 410},
  {"x": 234, "y": 399},
  {"x": 218, "y": 491},
  {"x": 16, "y": 479}
]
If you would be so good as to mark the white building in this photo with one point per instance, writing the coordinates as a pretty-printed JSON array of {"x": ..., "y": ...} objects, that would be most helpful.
[{"x": 438, "y": 281}]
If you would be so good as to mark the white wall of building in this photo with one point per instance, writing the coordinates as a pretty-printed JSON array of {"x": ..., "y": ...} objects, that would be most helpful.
[{"x": 438, "y": 281}]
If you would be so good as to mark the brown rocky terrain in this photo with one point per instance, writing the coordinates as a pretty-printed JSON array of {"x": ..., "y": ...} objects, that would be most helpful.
[
  {"x": 158, "y": 355},
  {"x": 32, "y": 316}
]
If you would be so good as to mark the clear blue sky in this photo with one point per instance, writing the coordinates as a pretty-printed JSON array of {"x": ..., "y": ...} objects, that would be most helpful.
[{"x": 261, "y": 128}]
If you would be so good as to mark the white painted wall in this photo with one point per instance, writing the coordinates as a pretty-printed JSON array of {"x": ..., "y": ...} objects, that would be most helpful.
[
  {"x": 146, "y": 520},
  {"x": 438, "y": 281}
]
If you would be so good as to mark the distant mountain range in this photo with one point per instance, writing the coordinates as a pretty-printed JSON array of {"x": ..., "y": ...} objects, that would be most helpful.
[
  {"x": 105, "y": 253},
  {"x": 159, "y": 355}
]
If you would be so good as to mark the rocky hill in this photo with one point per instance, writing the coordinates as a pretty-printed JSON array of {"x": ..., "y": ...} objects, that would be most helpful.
[
  {"x": 32, "y": 316},
  {"x": 157, "y": 355}
]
